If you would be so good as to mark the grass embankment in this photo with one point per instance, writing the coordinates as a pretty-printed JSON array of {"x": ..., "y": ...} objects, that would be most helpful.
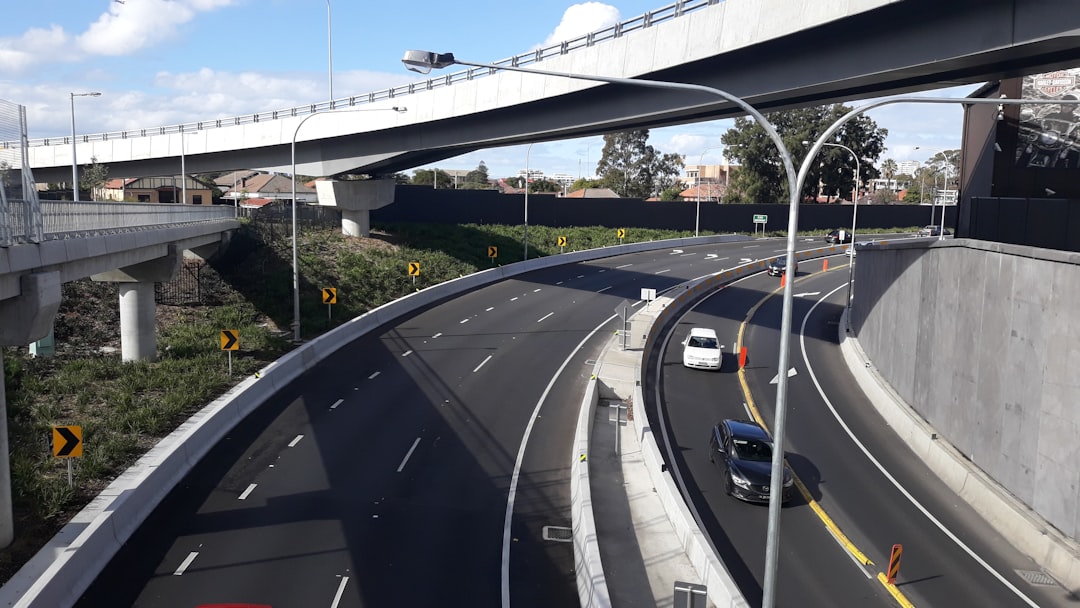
[{"x": 124, "y": 408}]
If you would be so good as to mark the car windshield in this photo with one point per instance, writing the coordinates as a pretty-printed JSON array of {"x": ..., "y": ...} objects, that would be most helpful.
[
  {"x": 703, "y": 342},
  {"x": 752, "y": 450}
]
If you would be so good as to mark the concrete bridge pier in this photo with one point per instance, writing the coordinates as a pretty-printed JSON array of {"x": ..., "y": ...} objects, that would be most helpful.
[
  {"x": 23, "y": 319},
  {"x": 138, "y": 336},
  {"x": 356, "y": 199}
]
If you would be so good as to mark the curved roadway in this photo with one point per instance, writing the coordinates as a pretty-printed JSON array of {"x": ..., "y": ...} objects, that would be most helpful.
[
  {"x": 856, "y": 469},
  {"x": 382, "y": 477}
]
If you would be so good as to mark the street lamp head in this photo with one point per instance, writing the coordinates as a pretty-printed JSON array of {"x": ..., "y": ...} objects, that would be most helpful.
[{"x": 424, "y": 61}]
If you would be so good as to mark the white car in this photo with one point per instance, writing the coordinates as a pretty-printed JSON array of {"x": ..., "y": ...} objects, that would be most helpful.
[{"x": 701, "y": 349}]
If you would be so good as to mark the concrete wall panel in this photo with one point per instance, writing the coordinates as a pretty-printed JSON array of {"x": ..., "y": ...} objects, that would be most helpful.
[{"x": 981, "y": 340}]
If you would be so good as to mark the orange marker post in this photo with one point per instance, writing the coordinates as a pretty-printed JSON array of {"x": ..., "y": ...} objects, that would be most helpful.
[
  {"x": 783, "y": 279},
  {"x": 742, "y": 357},
  {"x": 824, "y": 264},
  {"x": 894, "y": 563}
]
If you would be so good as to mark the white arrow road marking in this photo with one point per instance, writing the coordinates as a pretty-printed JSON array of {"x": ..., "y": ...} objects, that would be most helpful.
[
  {"x": 808, "y": 294},
  {"x": 187, "y": 562},
  {"x": 791, "y": 372},
  {"x": 745, "y": 260},
  {"x": 676, "y": 251},
  {"x": 710, "y": 256}
]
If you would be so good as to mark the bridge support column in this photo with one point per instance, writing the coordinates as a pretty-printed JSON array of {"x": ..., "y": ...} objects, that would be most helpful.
[
  {"x": 356, "y": 199},
  {"x": 23, "y": 319},
  {"x": 138, "y": 336}
]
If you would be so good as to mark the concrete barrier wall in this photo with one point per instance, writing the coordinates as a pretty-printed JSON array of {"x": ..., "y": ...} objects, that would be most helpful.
[
  {"x": 59, "y": 573},
  {"x": 982, "y": 340},
  {"x": 591, "y": 582}
]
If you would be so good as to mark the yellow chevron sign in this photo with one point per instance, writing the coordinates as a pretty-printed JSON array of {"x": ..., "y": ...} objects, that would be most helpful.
[{"x": 414, "y": 269}]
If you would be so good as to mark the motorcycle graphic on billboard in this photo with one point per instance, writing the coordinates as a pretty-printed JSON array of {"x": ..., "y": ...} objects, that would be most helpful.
[{"x": 1050, "y": 133}]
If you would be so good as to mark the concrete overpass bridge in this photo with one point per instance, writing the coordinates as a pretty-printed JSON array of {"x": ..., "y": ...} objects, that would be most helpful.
[
  {"x": 774, "y": 54},
  {"x": 133, "y": 244}
]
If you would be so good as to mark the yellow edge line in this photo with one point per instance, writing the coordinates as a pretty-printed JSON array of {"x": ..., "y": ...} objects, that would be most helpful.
[
  {"x": 891, "y": 588},
  {"x": 830, "y": 525}
]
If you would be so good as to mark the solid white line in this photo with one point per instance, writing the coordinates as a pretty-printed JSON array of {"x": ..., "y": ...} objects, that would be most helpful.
[
  {"x": 337, "y": 403},
  {"x": 187, "y": 562},
  {"x": 662, "y": 271},
  {"x": 436, "y": 335},
  {"x": 604, "y": 289},
  {"x": 489, "y": 309},
  {"x": 624, "y": 266},
  {"x": 512, "y": 494},
  {"x": 292, "y": 444},
  {"x": 779, "y": 250},
  {"x": 482, "y": 364},
  {"x": 544, "y": 317},
  {"x": 686, "y": 254},
  {"x": 880, "y": 467},
  {"x": 406, "y": 353},
  {"x": 720, "y": 259},
  {"x": 406, "y": 459},
  {"x": 248, "y": 491},
  {"x": 372, "y": 376},
  {"x": 340, "y": 590},
  {"x": 751, "y": 246}
]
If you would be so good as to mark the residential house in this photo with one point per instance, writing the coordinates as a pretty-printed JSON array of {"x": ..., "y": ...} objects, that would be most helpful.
[
  {"x": 155, "y": 190},
  {"x": 243, "y": 185}
]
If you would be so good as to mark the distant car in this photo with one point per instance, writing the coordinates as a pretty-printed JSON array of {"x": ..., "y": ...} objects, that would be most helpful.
[
  {"x": 838, "y": 236},
  {"x": 932, "y": 231},
  {"x": 702, "y": 350},
  {"x": 779, "y": 266},
  {"x": 742, "y": 450}
]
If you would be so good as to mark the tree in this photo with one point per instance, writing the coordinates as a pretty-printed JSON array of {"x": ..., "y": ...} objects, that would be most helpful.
[
  {"x": 427, "y": 177},
  {"x": 583, "y": 183},
  {"x": 889, "y": 168},
  {"x": 477, "y": 179},
  {"x": 632, "y": 168},
  {"x": 93, "y": 177},
  {"x": 762, "y": 177},
  {"x": 544, "y": 185}
]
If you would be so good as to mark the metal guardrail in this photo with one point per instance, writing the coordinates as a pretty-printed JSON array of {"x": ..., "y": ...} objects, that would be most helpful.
[
  {"x": 68, "y": 219},
  {"x": 649, "y": 19}
]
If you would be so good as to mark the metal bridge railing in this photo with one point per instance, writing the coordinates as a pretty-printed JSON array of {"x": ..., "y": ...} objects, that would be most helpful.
[
  {"x": 68, "y": 219},
  {"x": 649, "y": 19}
]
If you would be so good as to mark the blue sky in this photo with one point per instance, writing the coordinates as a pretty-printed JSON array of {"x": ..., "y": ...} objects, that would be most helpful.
[{"x": 163, "y": 62}]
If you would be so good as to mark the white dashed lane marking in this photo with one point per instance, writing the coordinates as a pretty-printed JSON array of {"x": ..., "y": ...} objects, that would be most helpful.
[{"x": 187, "y": 562}]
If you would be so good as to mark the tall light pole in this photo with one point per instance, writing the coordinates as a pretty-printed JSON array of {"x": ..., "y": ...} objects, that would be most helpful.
[
  {"x": 295, "y": 265},
  {"x": 854, "y": 216},
  {"x": 424, "y": 61},
  {"x": 330, "y": 54},
  {"x": 183, "y": 167},
  {"x": 74, "y": 164},
  {"x": 697, "y": 189},
  {"x": 933, "y": 203},
  {"x": 527, "y": 152}
]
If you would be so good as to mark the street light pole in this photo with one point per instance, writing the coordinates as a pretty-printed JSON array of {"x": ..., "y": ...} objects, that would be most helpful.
[
  {"x": 330, "y": 54},
  {"x": 527, "y": 152},
  {"x": 854, "y": 216},
  {"x": 697, "y": 214},
  {"x": 183, "y": 167},
  {"x": 295, "y": 265},
  {"x": 424, "y": 61},
  {"x": 74, "y": 164}
]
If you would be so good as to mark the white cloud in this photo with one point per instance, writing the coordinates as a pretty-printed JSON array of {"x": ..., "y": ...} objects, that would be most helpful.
[
  {"x": 138, "y": 24},
  {"x": 35, "y": 47},
  {"x": 580, "y": 19}
]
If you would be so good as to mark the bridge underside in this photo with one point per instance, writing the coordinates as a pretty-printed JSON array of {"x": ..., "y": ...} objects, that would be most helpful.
[{"x": 901, "y": 47}]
